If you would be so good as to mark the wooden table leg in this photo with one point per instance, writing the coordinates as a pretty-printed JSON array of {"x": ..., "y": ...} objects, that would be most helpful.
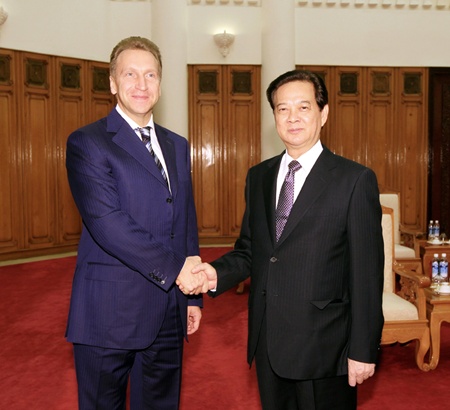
[{"x": 435, "y": 332}]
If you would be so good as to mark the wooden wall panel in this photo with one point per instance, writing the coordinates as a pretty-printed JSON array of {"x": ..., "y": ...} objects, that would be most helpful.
[
  {"x": 42, "y": 100},
  {"x": 37, "y": 135},
  {"x": 242, "y": 139},
  {"x": 10, "y": 181},
  {"x": 71, "y": 114},
  {"x": 224, "y": 112},
  {"x": 207, "y": 146},
  {"x": 98, "y": 96},
  {"x": 378, "y": 117},
  {"x": 412, "y": 147},
  {"x": 347, "y": 119},
  {"x": 380, "y": 124}
]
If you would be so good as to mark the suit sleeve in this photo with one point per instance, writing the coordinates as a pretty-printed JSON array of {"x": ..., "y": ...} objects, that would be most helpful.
[{"x": 366, "y": 269}]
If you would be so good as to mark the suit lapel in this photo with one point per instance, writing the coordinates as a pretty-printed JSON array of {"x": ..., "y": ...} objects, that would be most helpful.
[
  {"x": 316, "y": 182},
  {"x": 168, "y": 150},
  {"x": 270, "y": 191},
  {"x": 126, "y": 138}
]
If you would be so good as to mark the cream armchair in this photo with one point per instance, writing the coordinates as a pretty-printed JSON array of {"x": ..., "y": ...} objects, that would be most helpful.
[
  {"x": 404, "y": 302},
  {"x": 392, "y": 200}
]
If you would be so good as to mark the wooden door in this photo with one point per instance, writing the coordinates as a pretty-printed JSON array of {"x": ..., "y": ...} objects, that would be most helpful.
[
  {"x": 10, "y": 171},
  {"x": 378, "y": 117},
  {"x": 439, "y": 155},
  {"x": 224, "y": 132}
]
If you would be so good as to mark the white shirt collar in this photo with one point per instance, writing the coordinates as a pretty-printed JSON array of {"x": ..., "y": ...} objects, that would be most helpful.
[
  {"x": 307, "y": 160},
  {"x": 132, "y": 123}
]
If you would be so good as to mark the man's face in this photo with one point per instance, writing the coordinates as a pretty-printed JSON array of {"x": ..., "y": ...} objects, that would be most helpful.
[
  {"x": 297, "y": 116},
  {"x": 136, "y": 84}
]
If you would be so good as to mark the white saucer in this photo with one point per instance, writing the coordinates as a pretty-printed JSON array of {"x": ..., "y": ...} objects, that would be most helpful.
[
  {"x": 435, "y": 242},
  {"x": 444, "y": 293}
]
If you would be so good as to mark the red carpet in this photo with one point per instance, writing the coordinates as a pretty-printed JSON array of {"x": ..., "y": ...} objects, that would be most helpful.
[{"x": 37, "y": 369}]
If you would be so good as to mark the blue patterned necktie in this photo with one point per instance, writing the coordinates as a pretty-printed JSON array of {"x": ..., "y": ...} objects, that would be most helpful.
[
  {"x": 145, "y": 134},
  {"x": 286, "y": 199}
]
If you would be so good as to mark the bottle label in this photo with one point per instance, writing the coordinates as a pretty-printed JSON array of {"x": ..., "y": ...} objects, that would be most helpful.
[
  {"x": 443, "y": 269},
  {"x": 434, "y": 268}
]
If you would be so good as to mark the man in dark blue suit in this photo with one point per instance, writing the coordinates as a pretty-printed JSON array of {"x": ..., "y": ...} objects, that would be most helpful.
[
  {"x": 316, "y": 266},
  {"x": 131, "y": 181}
]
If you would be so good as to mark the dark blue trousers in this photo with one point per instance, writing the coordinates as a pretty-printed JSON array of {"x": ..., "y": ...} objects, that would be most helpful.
[{"x": 154, "y": 372}]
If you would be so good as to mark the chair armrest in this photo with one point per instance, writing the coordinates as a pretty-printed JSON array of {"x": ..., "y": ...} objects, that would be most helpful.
[
  {"x": 412, "y": 282},
  {"x": 413, "y": 232}
]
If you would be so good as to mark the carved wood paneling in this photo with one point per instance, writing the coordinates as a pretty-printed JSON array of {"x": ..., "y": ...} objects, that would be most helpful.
[
  {"x": 42, "y": 100},
  {"x": 378, "y": 117},
  {"x": 411, "y": 161},
  {"x": 37, "y": 135},
  {"x": 380, "y": 124},
  {"x": 71, "y": 77},
  {"x": 242, "y": 139},
  {"x": 348, "y": 116},
  {"x": 207, "y": 148},
  {"x": 225, "y": 137},
  {"x": 10, "y": 181},
  {"x": 98, "y": 96}
]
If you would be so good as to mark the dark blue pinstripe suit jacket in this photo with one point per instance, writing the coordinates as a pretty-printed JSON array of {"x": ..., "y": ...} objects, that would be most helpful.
[{"x": 136, "y": 234}]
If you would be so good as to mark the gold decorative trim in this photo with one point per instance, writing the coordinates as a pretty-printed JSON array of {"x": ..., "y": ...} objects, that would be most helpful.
[
  {"x": 377, "y": 4},
  {"x": 256, "y": 3}
]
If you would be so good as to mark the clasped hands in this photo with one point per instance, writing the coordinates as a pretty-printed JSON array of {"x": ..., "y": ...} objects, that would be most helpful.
[{"x": 196, "y": 277}]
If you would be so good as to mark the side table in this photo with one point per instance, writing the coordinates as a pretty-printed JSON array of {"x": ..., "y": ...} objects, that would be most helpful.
[
  {"x": 438, "y": 311},
  {"x": 427, "y": 251}
]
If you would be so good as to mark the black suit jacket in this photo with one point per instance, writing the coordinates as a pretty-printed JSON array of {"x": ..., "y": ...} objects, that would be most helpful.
[{"x": 320, "y": 286}]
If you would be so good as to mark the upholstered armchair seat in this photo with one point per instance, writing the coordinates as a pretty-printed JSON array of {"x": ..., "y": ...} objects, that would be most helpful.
[
  {"x": 404, "y": 301},
  {"x": 397, "y": 308},
  {"x": 392, "y": 200}
]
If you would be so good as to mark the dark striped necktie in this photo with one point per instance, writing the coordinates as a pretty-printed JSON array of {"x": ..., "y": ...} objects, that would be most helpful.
[
  {"x": 286, "y": 198},
  {"x": 145, "y": 134}
]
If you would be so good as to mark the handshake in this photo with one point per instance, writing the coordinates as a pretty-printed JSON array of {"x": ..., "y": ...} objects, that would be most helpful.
[{"x": 196, "y": 277}]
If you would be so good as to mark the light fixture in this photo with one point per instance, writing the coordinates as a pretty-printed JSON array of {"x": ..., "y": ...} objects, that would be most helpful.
[
  {"x": 224, "y": 41},
  {"x": 3, "y": 15}
]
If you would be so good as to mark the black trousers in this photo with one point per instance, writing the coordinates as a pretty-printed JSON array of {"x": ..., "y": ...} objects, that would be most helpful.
[{"x": 278, "y": 393}]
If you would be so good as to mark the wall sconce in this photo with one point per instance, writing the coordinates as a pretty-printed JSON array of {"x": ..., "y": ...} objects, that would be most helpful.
[
  {"x": 224, "y": 41},
  {"x": 3, "y": 15}
]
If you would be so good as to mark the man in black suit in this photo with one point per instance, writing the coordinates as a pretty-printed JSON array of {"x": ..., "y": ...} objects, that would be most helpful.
[{"x": 315, "y": 315}]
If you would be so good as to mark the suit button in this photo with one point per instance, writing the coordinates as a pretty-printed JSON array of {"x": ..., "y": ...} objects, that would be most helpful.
[
  {"x": 263, "y": 293},
  {"x": 273, "y": 259},
  {"x": 169, "y": 200},
  {"x": 172, "y": 236}
]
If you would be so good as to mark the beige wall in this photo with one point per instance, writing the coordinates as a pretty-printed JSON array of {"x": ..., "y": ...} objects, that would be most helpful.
[{"x": 327, "y": 32}]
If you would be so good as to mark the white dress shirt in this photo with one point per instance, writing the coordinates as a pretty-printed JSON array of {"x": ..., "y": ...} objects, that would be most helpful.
[
  {"x": 153, "y": 139},
  {"x": 307, "y": 161}
]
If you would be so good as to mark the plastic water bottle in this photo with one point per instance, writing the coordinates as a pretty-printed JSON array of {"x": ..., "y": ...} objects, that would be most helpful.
[
  {"x": 443, "y": 267},
  {"x": 435, "y": 269},
  {"x": 436, "y": 229},
  {"x": 430, "y": 230}
]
